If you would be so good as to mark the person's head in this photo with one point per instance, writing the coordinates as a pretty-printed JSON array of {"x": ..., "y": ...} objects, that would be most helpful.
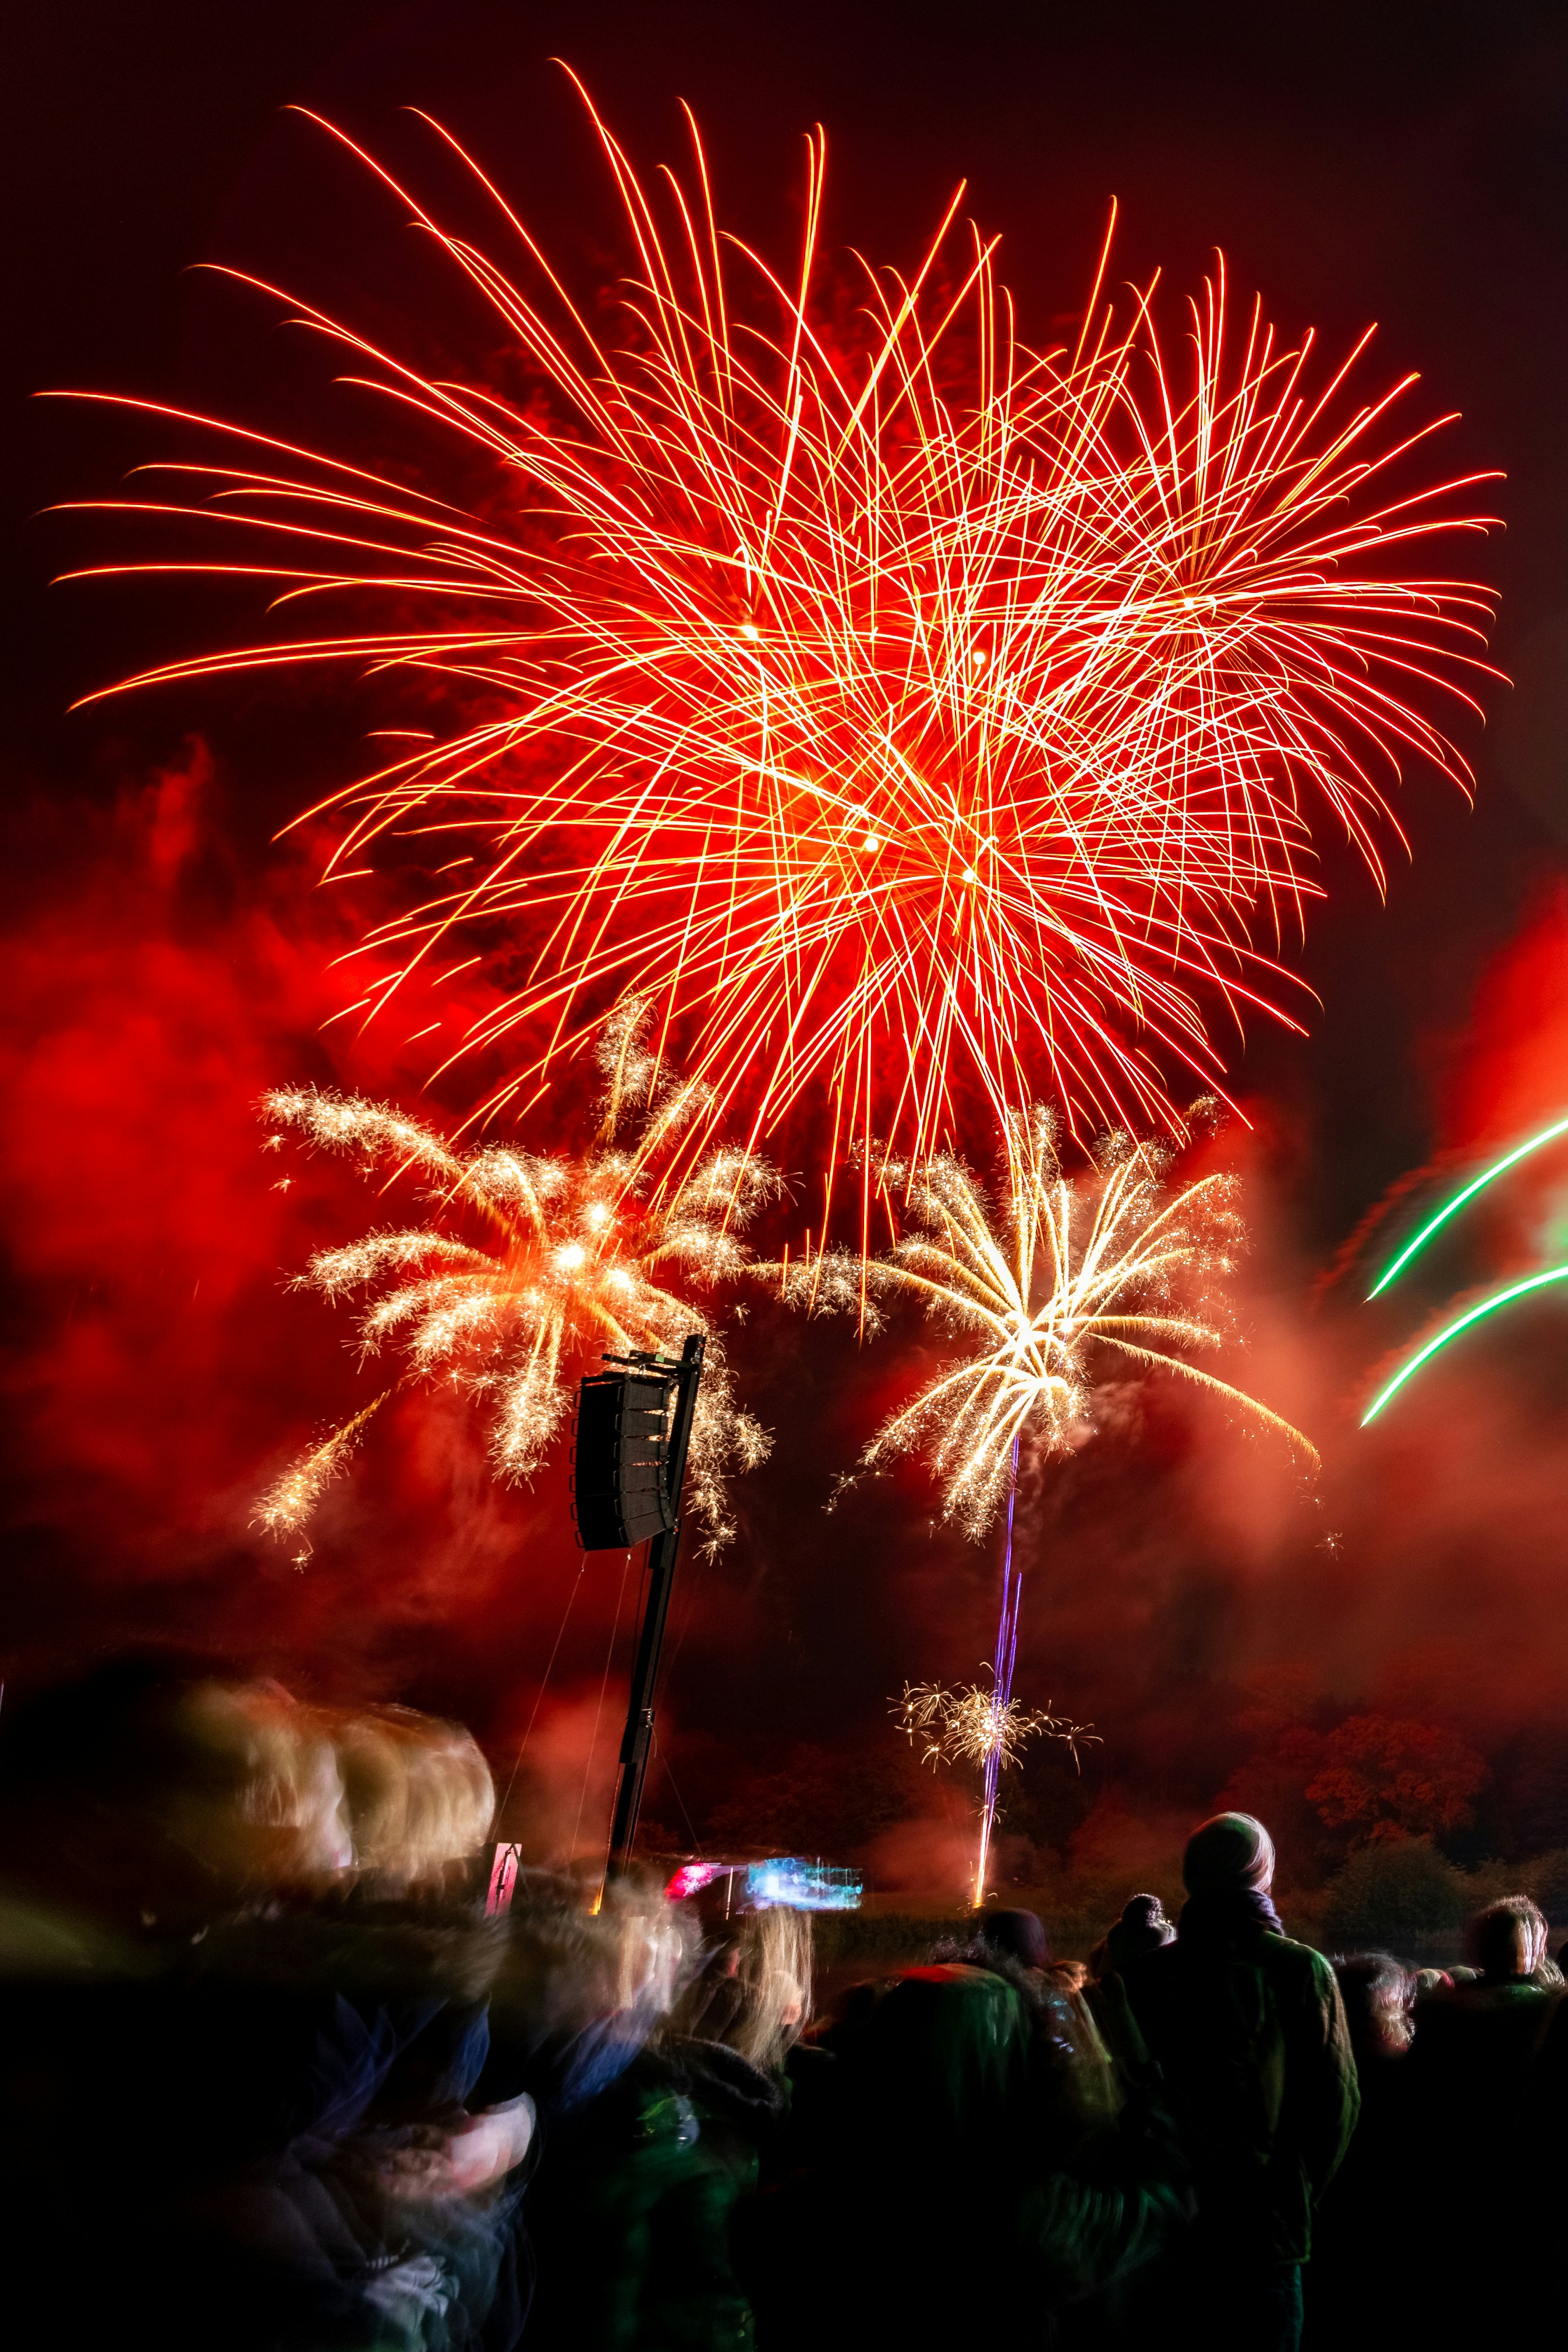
[
  {"x": 149, "y": 1790},
  {"x": 1230, "y": 1853},
  {"x": 654, "y": 1947},
  {"x": 1015, "y": 1936},
  {"x": 1142, "y": 1928},
  {"x": 1506, "y": 1941},
  {"x": 773, "y": 1986},
  {"x": 946, "y": 2058},
  {"x": 419, "y": 1796},
  {"x": 261, "y": 1803},
  {"x": 1377, "y": 1994},
  {"x": 580, "y": 1990}
]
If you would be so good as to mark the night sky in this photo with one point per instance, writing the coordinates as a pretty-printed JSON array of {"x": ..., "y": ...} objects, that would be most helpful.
[{"x": 166, "y": 959}]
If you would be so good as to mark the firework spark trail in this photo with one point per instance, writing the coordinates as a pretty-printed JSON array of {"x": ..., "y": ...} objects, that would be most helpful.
[
  {"x": 1112, "y": 1262},
  {"x": 578, "y": 1263},
  {"x": 1109, "y": 1261},
  {"x": 972, "y": 1725},
  {"x": 1002, "y": 1670},
  {"x": 901, "y": 709},
  {"x": 284, "y": 1507}
]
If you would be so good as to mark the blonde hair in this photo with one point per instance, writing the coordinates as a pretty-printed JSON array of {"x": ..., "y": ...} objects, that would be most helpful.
[
  {"x": 774, "y": 1979},
  {"x": 651, "y": 1955},
  {"x": 418, "y": 1791},
  {"x": 263, "y": 1802},
  {"x": 1508, "y": 1938}
]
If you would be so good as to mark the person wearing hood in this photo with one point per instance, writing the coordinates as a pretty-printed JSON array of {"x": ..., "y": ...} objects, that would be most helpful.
[
  {"x": 1249, "y": 2030},
  {"x": 1142, "y": 1928}
]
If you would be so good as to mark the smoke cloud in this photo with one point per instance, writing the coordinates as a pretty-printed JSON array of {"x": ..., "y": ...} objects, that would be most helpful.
[{"x": 162, "y": 1372}]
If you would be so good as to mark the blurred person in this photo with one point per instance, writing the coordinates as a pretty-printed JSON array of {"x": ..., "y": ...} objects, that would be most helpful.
[
  {"x": 1014, "y": 1945},
  {"x": 1016, "y": 1936},
  {"x": 1142, "y": 1928},
  {"x": 1506, "y": 1943},
  {"x": 1478, "y": 2066},
  {"x": 410, "y": 1949},
  {"x": 773, "y": 1981},
  {"x": 418, "y": 1798},
  {"x": 558, "y": 2029},
  {"x": 959, "y": 2173},
  {"x": 266, "y": 2097},
  {"x": 1107, "y": 2130},
  {"x": 1356, "y": 2296},
  {"x": 1249, "y": 2032},
  {"x": 652, "y": 1956},
  {"x": 392, "y": 2173},
  {"x": 760, "y": 2096},
  {"x": 156, "y": 1798},
  {"x": 647, "y": 2127},
  {"x": 1542, "y": 2106},
  {"x": 714, "y": 1998},
  {"x": 1377, "y": 1993}
]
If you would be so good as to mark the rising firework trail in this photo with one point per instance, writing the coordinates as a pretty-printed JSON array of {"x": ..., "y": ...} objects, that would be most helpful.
[
  {"x": 573, "y": 1260},
  {"x": 1110, "y": 1265},
  {"x": 909, "y": 713},
  {"x": 976, "y": 1725},
  {"x": 1462, "y": 1200}
]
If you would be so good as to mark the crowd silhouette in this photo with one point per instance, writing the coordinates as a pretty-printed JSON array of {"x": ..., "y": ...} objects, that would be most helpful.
[{"x": 272, "y": 2080}]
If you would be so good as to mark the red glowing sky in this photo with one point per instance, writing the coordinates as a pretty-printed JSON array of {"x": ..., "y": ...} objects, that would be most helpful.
[{"x": 166, "y": 961}]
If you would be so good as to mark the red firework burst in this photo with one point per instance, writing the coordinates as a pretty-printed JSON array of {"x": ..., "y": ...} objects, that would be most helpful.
[{"x": 898, "y": 708}]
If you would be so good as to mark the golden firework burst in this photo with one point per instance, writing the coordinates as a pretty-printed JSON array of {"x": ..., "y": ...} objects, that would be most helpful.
[{"x": 574, "y": 1257}]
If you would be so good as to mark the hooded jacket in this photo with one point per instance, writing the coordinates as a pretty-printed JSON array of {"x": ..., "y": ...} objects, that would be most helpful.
[{"x": 1249, "y": 2032}]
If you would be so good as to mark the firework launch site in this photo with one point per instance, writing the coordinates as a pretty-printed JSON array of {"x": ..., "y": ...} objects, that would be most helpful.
[{"x": 785, "y": 1177}]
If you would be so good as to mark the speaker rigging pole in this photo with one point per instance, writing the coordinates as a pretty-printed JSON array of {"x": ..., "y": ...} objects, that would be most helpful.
[{"x": 633, "y": 1429}]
